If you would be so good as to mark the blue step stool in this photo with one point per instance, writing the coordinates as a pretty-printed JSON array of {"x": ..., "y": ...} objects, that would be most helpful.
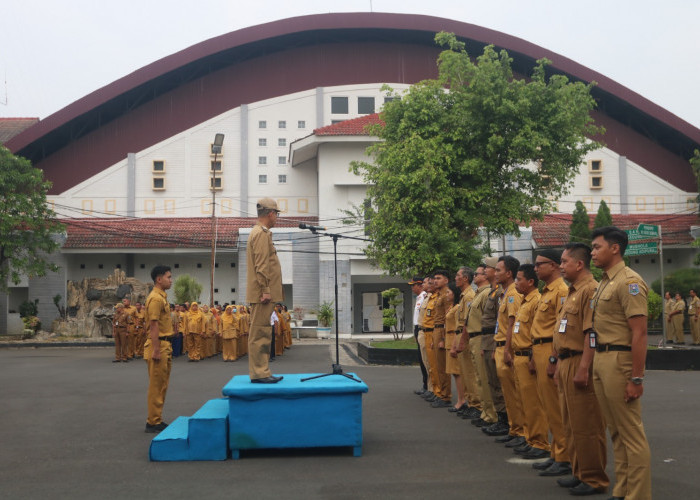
[{"x": 203, "y": 436}]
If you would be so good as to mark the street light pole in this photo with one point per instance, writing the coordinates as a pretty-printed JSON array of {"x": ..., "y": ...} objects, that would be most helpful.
[{"x": 216, "y": 149}]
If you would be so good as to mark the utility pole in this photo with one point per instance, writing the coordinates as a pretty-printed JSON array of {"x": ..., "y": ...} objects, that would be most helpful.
[{"x": 216, "y": 149}]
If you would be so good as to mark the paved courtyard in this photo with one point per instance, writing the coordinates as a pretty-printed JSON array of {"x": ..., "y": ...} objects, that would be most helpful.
[{"x": 71, "y": 426}]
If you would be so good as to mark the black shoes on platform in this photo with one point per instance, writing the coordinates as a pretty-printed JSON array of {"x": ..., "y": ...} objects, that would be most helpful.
[{"x": 266, "y": 380}]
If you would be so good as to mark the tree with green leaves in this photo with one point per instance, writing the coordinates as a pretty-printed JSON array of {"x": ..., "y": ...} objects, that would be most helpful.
[
  {"x": 603, "y": 218},
  {"x": 187, "y": 289},
  {"x": 579, "y": 232},
  {"x": 28, "y": 226},
  {"x": 475, "y": 150}
]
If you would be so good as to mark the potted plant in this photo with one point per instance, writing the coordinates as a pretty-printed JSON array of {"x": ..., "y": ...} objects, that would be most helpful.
[
  {"x": 325, "y": 319},
  {"x": 298, "y": 315}
]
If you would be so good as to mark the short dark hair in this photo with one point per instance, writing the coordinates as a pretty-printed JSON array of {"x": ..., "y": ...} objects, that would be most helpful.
[
  {"x": 613, "y": 235},
  {"x": 579, "y": 251},
  {"x": 455, "y": 291},
  {"x": 159, "y": 271},
  {"x": 528, "y": 271},
  {"x": 442, "y": 272},
  {"x": 512, "y": 264},
  {"x": 468, "y": 273}
]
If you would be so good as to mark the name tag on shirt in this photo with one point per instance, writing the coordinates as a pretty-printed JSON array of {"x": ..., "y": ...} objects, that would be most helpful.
[
  {"x": 516, "y": 327},
  {"x": 592, "y": 340},
  {"x": 429, "y": 312},
  {"x": 562, "y": 325}
]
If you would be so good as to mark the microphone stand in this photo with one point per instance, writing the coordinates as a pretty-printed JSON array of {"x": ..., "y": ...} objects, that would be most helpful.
[{"x": 336, "y": 368}]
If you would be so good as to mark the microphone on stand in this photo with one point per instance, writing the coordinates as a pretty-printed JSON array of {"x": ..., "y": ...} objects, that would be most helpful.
[{"x": 311, "y": 228}]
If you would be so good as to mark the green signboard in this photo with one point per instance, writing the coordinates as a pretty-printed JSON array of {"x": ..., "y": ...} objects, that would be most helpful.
[
  {"x": 647, "y": 248},
  {"x": 643, "y": 232}
]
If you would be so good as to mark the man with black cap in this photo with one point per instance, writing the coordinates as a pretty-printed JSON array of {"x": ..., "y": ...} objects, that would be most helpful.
[
  {"x": 264, "y": 288},
  {"x": 417, "y": 288}
]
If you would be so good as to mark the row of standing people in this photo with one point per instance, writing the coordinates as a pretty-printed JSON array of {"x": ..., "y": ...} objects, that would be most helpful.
[
  {"x": 564, "y": 362},
  {"x": 674, "y": 309}
]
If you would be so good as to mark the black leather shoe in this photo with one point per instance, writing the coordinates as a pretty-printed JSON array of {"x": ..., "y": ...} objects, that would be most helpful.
[
  {"x": 619, "y": 498},
  {"x": 432, "y": 398},
  {"x": 151, "y": 429},
  {"x": 427, "y": 394},
  {"x": 471, "y": 413},
  {"x": 440, "y": 403},
  {"x": 505, "y": 439},
  {"x": 568, "y": 482},
  {"x": 522, "y": 450},
  {"x": 420, "y": 392},
  {"x": 543, "y": 465},
  {"x": 497, "y": 429},
  {"x": 557, "y": 469},
  {"x": 480, "y": 422},
  {"x": 515, "y": 442},
  {"x": 584, "y": 489},
  {"x": 535, "y": 454},
  {"x": 267, "y": 380},
  {"x": 455, "y": 410}
]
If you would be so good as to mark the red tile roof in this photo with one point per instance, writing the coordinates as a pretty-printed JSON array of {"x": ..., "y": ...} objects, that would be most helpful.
[
  {"x": 10, "y": 127},
  {"x": 553, "y": 231},
  {"x": 194, "y": 232},
  {"x": 356, "y": 126}
]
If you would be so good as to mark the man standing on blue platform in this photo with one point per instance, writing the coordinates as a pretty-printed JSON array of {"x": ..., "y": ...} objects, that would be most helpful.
[{"x": 264, "y": 289}]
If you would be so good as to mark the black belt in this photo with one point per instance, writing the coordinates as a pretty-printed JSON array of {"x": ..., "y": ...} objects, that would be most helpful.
[
  {"x": 439, "y": 326},
  {"x": 500, "y": 343},
  {"x": 459, "y": 330},
  {"x": 545, "y": 340},
  {"x": 451, "y": 331},
  {"x": 475, "y": 334},
  {"x": 612, "y": 347},
  {"x": 568, "y": 354},
  {"x": 167, "y": 339},
  {"x": 488, "y": 330},
  {"x": 428, "y": 329},
  {"x": 526, "y": 352}
]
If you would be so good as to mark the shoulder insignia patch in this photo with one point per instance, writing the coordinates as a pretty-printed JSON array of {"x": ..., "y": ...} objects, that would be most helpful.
[
  {"x": 511, "y": 299},
  {"x": 592, "y": 304},
  {"x": 563, "y": 299},
  {"x": 634, "y": 288}
]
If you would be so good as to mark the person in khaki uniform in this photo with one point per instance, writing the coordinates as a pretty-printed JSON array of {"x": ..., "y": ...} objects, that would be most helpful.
[
  {"x": 452, "y": 367},
  {"x": 279, "y": 330},
  {"x": 463, "y": 280},
  {"x": 140, "y": 327},
  {"x": 208, "y": 336},
  {"x": 119, "y": 334},
  {"x": 534, "y": 418},
  {"x": 245, "y": 330},
  {"x": 509, "y": 303},
  {"x": 620, "y": 325},
  {"x": 158, "y": 350},
  {"x": 182, "y": 328},
  {"x": 130, "y": 327},
  {"x": 264, "y": 288},
  {"x": 544, "y": 326},
  {"x": 572, "y": 356},
  {"x": 439, "y": 312},
  {"x": 229, "y": 334},
  {"x": 288, "y": 330},
  {"x": 471, "y": 343},
  {"x": 676, "y": 317},
  {"x": 669, "y": 302},
  {"x": 195, "y": 327},
  {"x": 694, "y": 317},
  {"x": 430, "y": 346},
  {"x": 426, "y": 287}
]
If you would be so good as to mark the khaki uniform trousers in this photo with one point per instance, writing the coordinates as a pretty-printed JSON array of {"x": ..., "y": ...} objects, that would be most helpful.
[
  {"x": 470, "y": 382},
  {"x": 140, "y": 340},
  {"x": 695, "y": 329},
  {"x": 279, "y": 343},
  {"x": 549, "y": 395},
  {"x": 288, "y": 337},
  {"x": 611, "y": 372},
  {"x": 677, "y": 322},
  {"x": 494, "y": 383},
  {"x": 242, "y": 344},
  {"x": 584, "y": 426},
  {"x": 536, "y": 430},
  {"x": 488, "y": 411},
  {"x": 514, "y": 407},
  {"x": 230, "y": 349},
  {"x": 441, "y": 358},
  {"x": 131, "y": 341},
  {"x": 431, "y": 349},
  {"x": 424, "y": 355},
  {"x": 120, "y": 344},
  {"x": 259, "y": 340},
  {"x": 158, "y": 378}
]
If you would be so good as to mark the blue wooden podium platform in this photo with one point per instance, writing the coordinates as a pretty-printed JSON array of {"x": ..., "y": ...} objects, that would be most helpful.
[{"x": 323, "y": 412}]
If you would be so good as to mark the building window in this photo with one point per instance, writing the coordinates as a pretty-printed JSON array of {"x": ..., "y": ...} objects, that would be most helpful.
[
  {"x": 596, "y": 182},
  {"x": 262, "y": 124},
  {"x": 158, "y": 184},
  {"x": 389, "y": 99},
  {"x": 333, "y": 122},
  {"x": 158, "y": 166},
  {"x": 595, "y": 166},
  {"x": 262, "y": 160},
  {"x": 199, "y": 265},
  {"x": 282, "y": 142},
  {"x": 142, "y": 266},
  {"x": 215, "y": 166},
  {"x": 301, "y": 124},
  {"x": 365, "y": 105},
  {"x": 262, "y": 179},
  {"x": 110, "y": 206},
  {"x": 281, "y": 124},
  {"x": 214, "y": 153},
  {"x": 640, "y": 203},
  {"x": 659, "y": 204},
  {"x": 149, "y": 207},
  {"x": 282, "y": 205},
  {"x": 281, "y": 160},
  {"x": 262, "y": 142},
  {"x": 215, "y": 183},
  {"x": 169, "y": 206},
  {"x": 282, "y": 179},
  {"x": 302, "y": 205},
  {"x": 339, "y": 105}
]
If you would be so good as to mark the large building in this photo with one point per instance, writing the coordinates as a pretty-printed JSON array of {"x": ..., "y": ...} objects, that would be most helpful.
[{"x": 135, "y": 180}]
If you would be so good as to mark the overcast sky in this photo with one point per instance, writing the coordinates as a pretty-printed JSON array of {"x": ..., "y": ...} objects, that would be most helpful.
[{"x": 55, "y": 52}]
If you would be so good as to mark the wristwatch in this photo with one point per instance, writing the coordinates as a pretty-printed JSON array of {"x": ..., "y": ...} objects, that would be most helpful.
[
  {"x": 553, "y": 360},
  {"x": 637, "y": 380}
]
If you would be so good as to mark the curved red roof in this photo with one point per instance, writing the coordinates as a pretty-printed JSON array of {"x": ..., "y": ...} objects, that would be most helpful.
[{"x": 278, "y": 58}]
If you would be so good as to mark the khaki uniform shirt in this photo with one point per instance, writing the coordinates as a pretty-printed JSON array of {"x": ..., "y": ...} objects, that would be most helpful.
[
  {"x": 476, "y": 309},
  {"x": 131, "y": 318},
  {"x": 549, "y": 309},
  {"x": 195, "y": 323},
  {"x": 158, "y": 309},
  {"x": 694, "y": 306},
  {"x": 422, "y": 309},
  {"x": 264, "y": 270},
  {"x": 668, "y": 307},
  {"x": 229, "y": 326},
  {"x": 576, "y": 316},
  {"x": 508, "y": 308},
  {"x": 680, "y": 307},
  {"x": 490, "y": 313},
  {"x": 465, "y": 300},
  {"x": 440, "y": 307},
  {"x": 119, "y": 320},
  {"x": 522, "y": 330},
  {"x": 429, "y": 318},
  {"x": 622, "y": 294},
  {"x": 140, "y": 319},
  {"x": 451, "y": 319}
]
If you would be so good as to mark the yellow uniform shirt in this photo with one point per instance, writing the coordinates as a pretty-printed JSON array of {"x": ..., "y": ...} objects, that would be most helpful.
[
  {"x": 476, "y": 309},
  {"x": 576, "y": 315},
  {"x": 429, "y": 318},
  {"x": 465, "y": 300},
  {"x": 522, "y": 330},
  {"x": 549, "y": 309},
  {"x": 508, "y": 308},
  {"x": 264, "y": 270},
  {"x": 622, "y": 294},
  {"x": 158, "y": 309},
  {"x": 694, "y": 306}
]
